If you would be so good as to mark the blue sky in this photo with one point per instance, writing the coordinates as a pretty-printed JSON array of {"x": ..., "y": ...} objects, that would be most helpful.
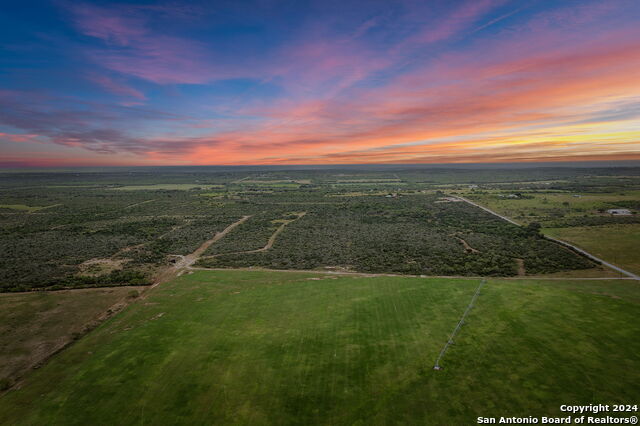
[{"x": 266, "y": 82}]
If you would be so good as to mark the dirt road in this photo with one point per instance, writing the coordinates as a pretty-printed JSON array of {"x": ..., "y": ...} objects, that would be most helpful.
[
  {"x": 192, "y": 258},
  {"x": 270, "y": 242},
  {"x": 272, "y": 238}
]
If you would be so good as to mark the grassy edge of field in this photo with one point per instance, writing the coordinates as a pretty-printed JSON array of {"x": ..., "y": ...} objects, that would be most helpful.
[{"x": 38, "y": 325}]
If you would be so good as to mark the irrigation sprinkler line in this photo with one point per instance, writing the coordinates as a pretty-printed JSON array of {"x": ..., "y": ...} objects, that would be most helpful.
[{"x": 455, "y": 330}]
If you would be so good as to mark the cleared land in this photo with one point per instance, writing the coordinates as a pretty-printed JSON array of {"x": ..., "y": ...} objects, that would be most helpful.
[
  {"x": 298, "y": 348},
  {"x": 35, "y": 325}
]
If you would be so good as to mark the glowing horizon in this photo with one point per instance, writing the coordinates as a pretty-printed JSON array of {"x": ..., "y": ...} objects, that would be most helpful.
[{"x": 257, "y": 83}]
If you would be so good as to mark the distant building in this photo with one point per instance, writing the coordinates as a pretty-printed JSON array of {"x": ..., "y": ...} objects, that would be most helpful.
[
  {"x": 473, "y": 186},
  {"x": 619, "y": 212}
]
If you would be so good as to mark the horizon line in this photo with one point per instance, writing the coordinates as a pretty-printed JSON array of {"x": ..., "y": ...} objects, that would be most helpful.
[{"x": 516, "y": 164}]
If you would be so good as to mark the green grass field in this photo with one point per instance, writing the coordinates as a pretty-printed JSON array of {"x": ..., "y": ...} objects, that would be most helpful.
[
  {"x": 619, "y": 244},
  {"x": 35, "y": 325},
  {"x": 256, "y": 347},
  {"x": 542, "y": 204}
]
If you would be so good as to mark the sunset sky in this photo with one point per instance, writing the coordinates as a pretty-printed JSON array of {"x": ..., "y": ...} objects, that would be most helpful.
[{"x": 318, "y": 82}]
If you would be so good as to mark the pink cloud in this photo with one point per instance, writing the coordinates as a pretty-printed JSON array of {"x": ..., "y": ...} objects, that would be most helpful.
[
  {"x": 162, "y": 60},
  {"x": 19, "y": 137},
  {"x": 464, "y": 98},
  {"x": 133, "y": 48},
  {"x": 457, "y": 22},
  {"x": 107, "y": 25},
  {"x": 493, "y": 91},
  {"x": 117, "y": 88}
]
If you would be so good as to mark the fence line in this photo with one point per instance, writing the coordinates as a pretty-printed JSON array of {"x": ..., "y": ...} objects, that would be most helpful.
[{"x": 455, "y": 330}]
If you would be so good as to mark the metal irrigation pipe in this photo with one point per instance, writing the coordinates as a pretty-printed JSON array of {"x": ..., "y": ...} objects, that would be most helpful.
[{"x": 455, "y": 330}]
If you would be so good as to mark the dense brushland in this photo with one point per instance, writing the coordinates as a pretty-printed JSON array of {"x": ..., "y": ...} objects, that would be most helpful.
[
  {"x": 301, "y": 348},
  {"x": 120, "y": 227},
  {"x": 414, "y": 234}
]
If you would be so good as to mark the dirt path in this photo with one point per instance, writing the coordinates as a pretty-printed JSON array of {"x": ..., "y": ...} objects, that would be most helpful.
[
  {"x": 185, "y": 262},
  {"x": 270, "y": 242},
  {"x": 135, "y": 246},
  {"x": 521, "y": 271},
  {"x": 272, "y": 238},
  {"x": 488, "y": 210},
  {"x": 56, "y": 325},
  {"x": 116, "y": 263},
  {"x": 137, "y": 204},
  {"x": 240, "y": 180},
  {"x": 192, "y": 258},
  {"x": 466, "y": 245}
]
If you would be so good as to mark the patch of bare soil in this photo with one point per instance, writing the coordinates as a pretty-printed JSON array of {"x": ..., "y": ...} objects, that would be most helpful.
[
  {"x": 448, "y": 200},
  {"x": 96, "y": 267},
  {"x": 466, "y": 245},
  {"x": 521, "y": 269}
]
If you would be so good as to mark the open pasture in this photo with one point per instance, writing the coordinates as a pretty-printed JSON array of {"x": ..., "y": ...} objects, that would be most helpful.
[
  {"x": 553, "y": 206},
  {"x": 253, "y": 347}
]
